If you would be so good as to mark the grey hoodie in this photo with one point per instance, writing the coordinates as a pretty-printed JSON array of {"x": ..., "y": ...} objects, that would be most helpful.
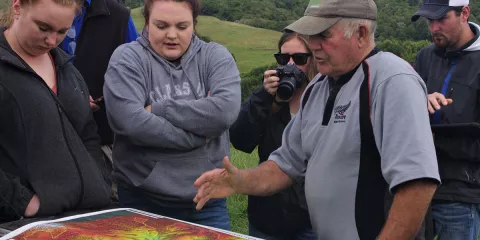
[
  {"x": 476, "y": 45},
  {"x": 163, "y": 152}
]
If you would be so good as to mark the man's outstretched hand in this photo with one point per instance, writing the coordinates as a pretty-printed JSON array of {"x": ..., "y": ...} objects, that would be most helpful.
[
  {"x": 217, "y": 183},
  {"x": 436, "y": 101}
]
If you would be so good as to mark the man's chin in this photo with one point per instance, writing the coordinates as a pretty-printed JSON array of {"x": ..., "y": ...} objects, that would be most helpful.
[{"x": 440, "y": 44}]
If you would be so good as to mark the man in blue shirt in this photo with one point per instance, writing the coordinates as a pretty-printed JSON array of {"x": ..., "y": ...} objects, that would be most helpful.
[{"x": 96, "y": 32}]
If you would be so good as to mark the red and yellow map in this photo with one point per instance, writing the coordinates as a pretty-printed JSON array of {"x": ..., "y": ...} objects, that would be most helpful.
[{"x": 122, "y": 224}]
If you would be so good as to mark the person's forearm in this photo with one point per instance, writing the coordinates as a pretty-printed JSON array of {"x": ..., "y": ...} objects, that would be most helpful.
[
  {"x": 264, "y": 180},
  {"x": 125, "y": 98},
  {"x": 408, "y": 210},
  {"x": 146, "y": 129},
  {"x": 209, "y": 117}
]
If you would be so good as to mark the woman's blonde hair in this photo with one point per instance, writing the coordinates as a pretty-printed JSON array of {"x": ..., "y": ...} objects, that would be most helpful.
[
  {"x": 287, "y": 36},
  {"x": 6, "y": 18}
]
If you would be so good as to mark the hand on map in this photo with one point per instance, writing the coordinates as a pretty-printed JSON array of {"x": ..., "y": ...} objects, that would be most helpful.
[{"x": 217, "y": 183}]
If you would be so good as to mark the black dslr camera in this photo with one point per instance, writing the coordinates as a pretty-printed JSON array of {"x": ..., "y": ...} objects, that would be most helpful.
[{"x": 291, "y": 78}]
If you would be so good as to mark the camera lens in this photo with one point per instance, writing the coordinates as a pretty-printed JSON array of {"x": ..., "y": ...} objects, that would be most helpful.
[{"x": 286, "y": 88}]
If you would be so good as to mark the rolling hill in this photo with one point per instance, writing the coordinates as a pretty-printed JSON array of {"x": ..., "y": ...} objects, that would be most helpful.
[{"x": 252, "y": 47}]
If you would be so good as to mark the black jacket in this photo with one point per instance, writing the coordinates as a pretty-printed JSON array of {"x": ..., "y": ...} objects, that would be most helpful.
[
  {"x": 458, "y": 157},
  {"x": 103, "y": 30},
  {"x": 49, "y": 144},
  {"x": 283, "y": 214}
]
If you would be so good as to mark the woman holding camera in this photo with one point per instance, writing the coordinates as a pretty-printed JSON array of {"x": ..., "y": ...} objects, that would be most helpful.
[{"x": 263, "y": 117}]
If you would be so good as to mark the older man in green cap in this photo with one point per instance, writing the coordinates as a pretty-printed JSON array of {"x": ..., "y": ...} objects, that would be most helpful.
[{"x": 362, "y": 130}]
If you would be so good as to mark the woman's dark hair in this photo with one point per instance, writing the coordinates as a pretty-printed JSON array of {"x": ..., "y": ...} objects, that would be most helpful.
[
  {"x": 193, "y": 4},
  {"x": 289, "y": 35}
]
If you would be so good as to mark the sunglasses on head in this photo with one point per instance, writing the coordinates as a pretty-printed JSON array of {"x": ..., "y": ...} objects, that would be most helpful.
[{"x": 298, "y": 58}]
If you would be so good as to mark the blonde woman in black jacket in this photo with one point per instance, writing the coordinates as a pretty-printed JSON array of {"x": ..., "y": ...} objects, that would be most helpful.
[{"x": 50, "y": 157}]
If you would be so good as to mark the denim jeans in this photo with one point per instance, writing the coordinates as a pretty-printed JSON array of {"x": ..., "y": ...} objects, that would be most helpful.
[
  {"x": 307, "y": 234},
  {"x": 213, "y": 214},
  {"x": 456, "y": 221}
]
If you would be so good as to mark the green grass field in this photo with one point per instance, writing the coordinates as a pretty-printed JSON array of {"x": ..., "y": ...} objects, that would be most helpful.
[
  {"x": 138, "y": 19},
  {"x": 252, "y": 47}
]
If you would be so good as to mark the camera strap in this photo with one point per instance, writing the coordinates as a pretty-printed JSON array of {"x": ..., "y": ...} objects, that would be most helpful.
[{"x": 280, "y": 104}]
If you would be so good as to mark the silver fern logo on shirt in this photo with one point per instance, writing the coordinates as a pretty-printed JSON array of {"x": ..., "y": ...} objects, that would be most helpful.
[{"x": 339, "y": 111}]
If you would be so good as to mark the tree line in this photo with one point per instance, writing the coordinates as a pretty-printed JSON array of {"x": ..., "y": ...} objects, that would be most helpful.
[{"x": 395, "y": 31}]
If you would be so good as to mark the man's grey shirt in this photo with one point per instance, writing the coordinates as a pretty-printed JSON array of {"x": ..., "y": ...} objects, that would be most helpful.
[{"x": 329, "y": 156}]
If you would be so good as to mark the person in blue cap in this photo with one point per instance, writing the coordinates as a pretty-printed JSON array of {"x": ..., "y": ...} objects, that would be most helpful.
[{"x": 448, "y": 68}]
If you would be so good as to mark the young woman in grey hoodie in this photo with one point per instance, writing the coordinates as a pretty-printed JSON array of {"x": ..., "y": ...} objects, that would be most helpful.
[{"x": 170, "y": 99}]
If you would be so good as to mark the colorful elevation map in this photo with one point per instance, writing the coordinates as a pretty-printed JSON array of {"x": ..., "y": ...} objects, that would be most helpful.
[{"x": 119, "y": 225}]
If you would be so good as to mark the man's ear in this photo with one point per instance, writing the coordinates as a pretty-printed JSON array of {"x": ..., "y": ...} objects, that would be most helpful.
[
  {"x": 465, "y": 13},
  {"x": 362, "y": 36}
]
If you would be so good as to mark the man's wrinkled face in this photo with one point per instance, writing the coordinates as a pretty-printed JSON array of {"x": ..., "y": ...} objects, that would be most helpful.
[{"x": 332, "y": 51}]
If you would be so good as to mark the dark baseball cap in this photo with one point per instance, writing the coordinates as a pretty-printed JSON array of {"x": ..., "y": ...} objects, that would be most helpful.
[
  {"x": 318, "y": 18},
  {"x": 436, "y": 9}
]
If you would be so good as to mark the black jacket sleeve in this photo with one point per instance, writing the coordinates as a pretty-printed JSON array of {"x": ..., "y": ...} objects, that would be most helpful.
[
  {"x": 246, "y": 132},
  {"x": 14, "y": 197}
]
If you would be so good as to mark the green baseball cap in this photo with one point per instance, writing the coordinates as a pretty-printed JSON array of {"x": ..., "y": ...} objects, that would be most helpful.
[{"x": 318, "y": 18}]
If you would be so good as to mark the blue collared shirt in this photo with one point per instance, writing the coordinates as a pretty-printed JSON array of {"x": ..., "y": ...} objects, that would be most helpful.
[{"x": 70, "y": 42}]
